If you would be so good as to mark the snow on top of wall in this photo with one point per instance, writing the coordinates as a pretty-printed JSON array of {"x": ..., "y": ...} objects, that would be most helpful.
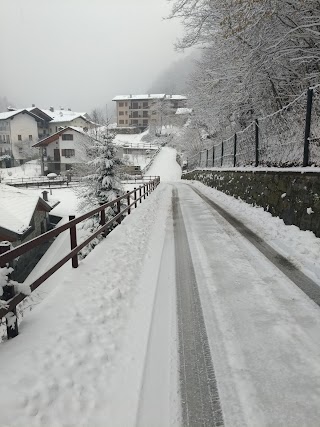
[
  {"x": 184, "y": 111},
  {"x": 17, "y": 208},
  {"x": 176, "y": 97}
]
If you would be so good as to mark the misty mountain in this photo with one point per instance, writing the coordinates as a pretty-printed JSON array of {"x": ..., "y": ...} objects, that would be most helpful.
[{"x": 175, "y": 78}]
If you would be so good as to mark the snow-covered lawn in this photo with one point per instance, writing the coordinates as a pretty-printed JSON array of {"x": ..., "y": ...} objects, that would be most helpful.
[{"x": 29, "y": 169}]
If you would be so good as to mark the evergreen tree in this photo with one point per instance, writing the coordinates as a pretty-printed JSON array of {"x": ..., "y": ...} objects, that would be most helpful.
[{"x": 100, "y": 184}]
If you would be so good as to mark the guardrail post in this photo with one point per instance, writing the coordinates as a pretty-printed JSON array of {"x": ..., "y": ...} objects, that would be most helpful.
[
  {"x": 73, "y": 242},
  {"x": 306, "y": 151},
  {"x": 144, "y": 191},
  {"x": 118, "y": 211},
  {"x": 128, "y": 201},
  {"x": 222, "y": 149},
  {"x": 103, "y": 220},
  {"x": 135, "y": 197},
  {"x": 235, "y": 150},
  {"x": 140, "y": 194},
  {"x": 256, "y": 163},
  {"x": 8, "y": 293}
]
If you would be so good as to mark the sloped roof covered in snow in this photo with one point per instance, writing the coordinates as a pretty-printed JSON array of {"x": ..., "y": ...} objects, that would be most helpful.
[
  {"x": 9, "y": 114},
  {"x": 51, "y": 138},
  {"x": 64, "y": 115},
  {"x": 17, "y": 208}
]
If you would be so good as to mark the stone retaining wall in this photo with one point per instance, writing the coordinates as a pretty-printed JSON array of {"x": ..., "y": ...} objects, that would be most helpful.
[{"x": 291, "y": 195}]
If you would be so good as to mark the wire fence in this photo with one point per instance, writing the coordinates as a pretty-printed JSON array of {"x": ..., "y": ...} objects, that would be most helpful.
[{"x": 286, "y": 138}]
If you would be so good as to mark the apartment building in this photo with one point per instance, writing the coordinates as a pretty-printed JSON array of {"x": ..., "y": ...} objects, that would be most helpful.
[{"x": 142, "y": 111}]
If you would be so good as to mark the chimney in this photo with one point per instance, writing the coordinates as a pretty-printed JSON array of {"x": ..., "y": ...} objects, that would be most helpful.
[
  {"x": 69, "y": 109},
  {"x": 148, "y": 95},
  {"x": 33, "y": 105},
  {"x": 130, "y": 96},
  {"x": 51, "y": 109},
  {"x": 45, "y": 195}
]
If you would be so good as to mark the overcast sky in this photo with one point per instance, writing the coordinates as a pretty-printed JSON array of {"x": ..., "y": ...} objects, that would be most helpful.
[{"x": 81, "y": 53}]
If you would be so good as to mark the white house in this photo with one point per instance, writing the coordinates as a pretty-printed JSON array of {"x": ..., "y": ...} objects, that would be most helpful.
[
  {"x": 18, "y": 132},
  {"x": 63, "y": 149}
]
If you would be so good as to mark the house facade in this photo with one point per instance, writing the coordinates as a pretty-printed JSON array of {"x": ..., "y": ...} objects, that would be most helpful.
[
  {"x": 18, "y": 132},
  {"x": 142, "y": 111},
  {"x": 64, "y": 149}
]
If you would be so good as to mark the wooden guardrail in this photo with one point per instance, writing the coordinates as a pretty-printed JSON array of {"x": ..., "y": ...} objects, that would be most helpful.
[{"x": 138, "y": 194}]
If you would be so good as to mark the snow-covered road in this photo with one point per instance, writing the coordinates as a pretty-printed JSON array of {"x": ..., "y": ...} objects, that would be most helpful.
[{"x": 175, "y": 319}]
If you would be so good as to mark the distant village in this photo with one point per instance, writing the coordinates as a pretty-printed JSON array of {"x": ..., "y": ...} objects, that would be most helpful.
[
  {"x": 55, "y": 136},
  {"x": 54, "y": 144}
]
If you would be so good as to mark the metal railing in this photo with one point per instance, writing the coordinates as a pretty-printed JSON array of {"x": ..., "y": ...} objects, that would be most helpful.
[
  {"x": 289, "y": 137},
  {"x": 131, "y": 198}
]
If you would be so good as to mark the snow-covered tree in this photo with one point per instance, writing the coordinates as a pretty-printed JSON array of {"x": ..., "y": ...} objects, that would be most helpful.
[{"x": 100, "y": 181}]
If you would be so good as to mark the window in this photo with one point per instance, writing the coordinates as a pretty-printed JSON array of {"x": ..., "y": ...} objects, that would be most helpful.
[
  {"x": 8, "y": 138},
  {"x": 20, "y": 149},
  {"x": 121, "y": 113},
  {"x": 135, "y": 122},
  {"x": 56, "y": 128},
  {"x": 145, "y": 104},
  {"x": 121, "y": 122},
  {"x": 30, "y": 137},
  {"x": 126, "y": 122},
  {"x": 145, "y": 114},
  {"x": 67, "y": 152},
  {"x": 145, "y": 122},
  {"x": 120, "y": 104},
  {"x": 126, "y": 104},
  {"x": 67, "y": 137},
  {"x": 19, "y": 138},
  {"x": 135, "y": 105}
]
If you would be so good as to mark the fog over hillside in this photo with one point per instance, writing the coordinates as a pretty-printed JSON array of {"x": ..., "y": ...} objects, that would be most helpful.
[{"x": 175, "y": 79}]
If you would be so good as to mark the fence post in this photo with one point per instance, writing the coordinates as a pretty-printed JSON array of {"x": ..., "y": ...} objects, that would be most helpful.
[
  {"x": 102, "y": 217},
  {"x": 128, "y": 201},
  {"x": 306, "y": 151},
  {"x": 222, "y": 149},
  {"x": 103, "y": 221},
  {"x": 140, "y": 194},
  {"x": 73, "y": 242},
  {"x": 8, "y": 293},
  {"x": 256, "y": 163},
  {"x": 213, "y": 156},
  {"x": 118, "y": 211},
  {"x": 144, "y": 192},
  {"x": 135, "y": 197},
  {"x": 235, "y": 151}
]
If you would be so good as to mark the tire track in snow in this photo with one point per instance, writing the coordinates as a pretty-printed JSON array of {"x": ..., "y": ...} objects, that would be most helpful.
[
  {"x": 199, "y": 391},
  {"x": 307, "y": 285}
]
